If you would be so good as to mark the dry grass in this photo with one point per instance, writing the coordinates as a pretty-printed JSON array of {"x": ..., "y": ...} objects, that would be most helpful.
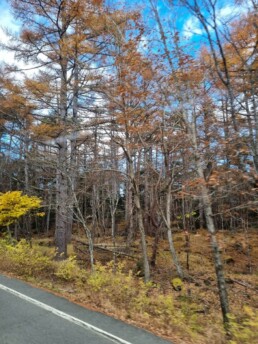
[{"x": 191, "y": 315}]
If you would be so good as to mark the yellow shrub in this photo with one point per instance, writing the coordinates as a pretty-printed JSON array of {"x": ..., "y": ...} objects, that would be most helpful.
[
  {"x": 119, "y": 290},
  {"x": 177, "y": 283},
  {"x": 14, "y": 204},
  {"x": 100, "y": 278},
  {"x": 68, "y": 269},
  {"x": 245, "y": 330},
  {"x": 24, "y": 260}
]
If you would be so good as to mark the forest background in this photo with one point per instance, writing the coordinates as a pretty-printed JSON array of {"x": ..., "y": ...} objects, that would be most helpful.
[{"x": 136, "y": 125}]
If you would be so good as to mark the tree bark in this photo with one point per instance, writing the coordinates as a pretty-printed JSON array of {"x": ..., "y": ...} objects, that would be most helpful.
[
  {"x": 139, "y": 215},
  {"x": 207, "y": 208}
]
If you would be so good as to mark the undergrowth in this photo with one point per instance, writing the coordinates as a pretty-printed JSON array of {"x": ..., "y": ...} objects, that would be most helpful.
[
  {"x": 21, "y": 259},
  {"x": 122, "y": 291},
  {"x": 244, "y": 328}
]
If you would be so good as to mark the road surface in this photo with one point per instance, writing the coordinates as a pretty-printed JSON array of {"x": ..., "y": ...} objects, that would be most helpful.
[{"x": 32, "y": 316}]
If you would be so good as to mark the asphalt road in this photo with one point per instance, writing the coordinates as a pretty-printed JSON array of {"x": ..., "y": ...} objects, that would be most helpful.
[{"x": 32, "y": 316}]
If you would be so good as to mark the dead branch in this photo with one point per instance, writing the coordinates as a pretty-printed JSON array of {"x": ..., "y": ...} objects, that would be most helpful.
[{"x": 97, "y": 247}]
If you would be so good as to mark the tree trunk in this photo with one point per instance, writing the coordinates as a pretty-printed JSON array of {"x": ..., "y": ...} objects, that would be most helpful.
[
  {"x": 129, "y": 210},
  {"x": 61, "y": 178},
  {"x": 169, "y": 234},
  {"x": 61, "y": 202},
  {"x": 139, "y": 215},
  {"x": 207, "y": 208},
  {"x": 216, "y": 252}
]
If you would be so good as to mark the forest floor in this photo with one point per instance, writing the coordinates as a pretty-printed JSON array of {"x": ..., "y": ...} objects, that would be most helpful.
[{"x": 190, "y": 311}]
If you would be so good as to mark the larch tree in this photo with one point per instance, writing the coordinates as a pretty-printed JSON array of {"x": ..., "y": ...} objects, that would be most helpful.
[
  {"x": 214, "y": 31},
  {"x": 61, "y": 39},
  {"x": 187, "y": 90},
  {"x": 131, "y": 110},
  {"x": 241, "y": 53}
]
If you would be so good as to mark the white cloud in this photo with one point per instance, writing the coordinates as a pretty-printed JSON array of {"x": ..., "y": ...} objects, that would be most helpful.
[
  {"x": 143, "y": 44},
  {"x": 224, "y": 14},
  {"x": 226, "y": 11},
  {"x": 192, "y": 27},
  {"x": 5, "y": 56},
  {"x": 6, "y": 18},
  {"x": 7, "y": 22},
  {"x": 231, "y": 11}
]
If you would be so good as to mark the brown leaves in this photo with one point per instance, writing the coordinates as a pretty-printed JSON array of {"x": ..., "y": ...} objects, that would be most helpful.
[
  {"x": 97, "y": 2},
  {"x": 29, "y": 36},
  {"x": 46, "y": 131},
  {"x": 14, "y": 103},
  {"x": 37, "y": 88}
]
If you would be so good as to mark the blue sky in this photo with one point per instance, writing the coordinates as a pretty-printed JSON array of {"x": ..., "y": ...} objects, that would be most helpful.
[{"x": 188, "y": 26}]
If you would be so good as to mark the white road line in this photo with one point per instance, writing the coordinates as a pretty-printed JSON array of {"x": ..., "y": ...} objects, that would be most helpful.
[{"x": 65, "y": 315}]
